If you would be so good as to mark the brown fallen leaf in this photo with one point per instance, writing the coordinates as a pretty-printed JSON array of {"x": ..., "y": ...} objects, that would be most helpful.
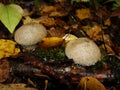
[
  {"x": 95, "y": 32},
  {"x": 4, "y": 70},
  {"x": 47, "y": 8},
  {"x": 45, "y": 20},
  {"x": 107, "y": 48},
  {"x": 15, "y": 87},
  {"x": 90, "y": 83},
  {"x": 56, "y": 32},
  {"x": 83, "y": 13},
  {"x": 107, "y": 22},
  {"x": 54, "y": 11},
  {"x": 117, "y": 50}
]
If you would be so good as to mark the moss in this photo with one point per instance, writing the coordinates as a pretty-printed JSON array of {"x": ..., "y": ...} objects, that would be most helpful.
[{"x": 56, "y": 53}]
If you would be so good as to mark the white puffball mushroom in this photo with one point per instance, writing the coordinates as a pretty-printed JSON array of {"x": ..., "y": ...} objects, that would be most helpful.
[
  {"x": 83, "y": 51},
  {"x": 30, "y": 34}
]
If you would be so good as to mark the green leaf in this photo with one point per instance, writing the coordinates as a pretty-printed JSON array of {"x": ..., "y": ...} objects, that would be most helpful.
[{"x": 10, "y": 15}]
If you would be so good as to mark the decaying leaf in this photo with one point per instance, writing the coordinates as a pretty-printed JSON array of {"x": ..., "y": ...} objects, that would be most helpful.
[
  {"x": 53, "y": 11},
  {"x": 4, "y": 70},
  {"x": 107, "y": 40},
  {"x": 90, "y": 83},
  {"x": 108, "y": 45},
  {"x": 45, "y": 20},
  {"x": 47, "y": 9},
  {"x": 29, "y": 20},
  {"x": 58, "y": 14},
  {"x": 107, "y": 48},
  {"x": 8, "y": 48},
  {"x": 107, "y": 22},
  {"x": 10, "y": 15},
  {"x": 117, "y": 50},
  {"x": 95, "y": 32},
  {"x": 15, "y": 87},
  {"x": 83, "y": 13},
  {"x": 51, "y": 42},
  {"x": 56, "y": 32},
  {"x": 27, "y": 12}
]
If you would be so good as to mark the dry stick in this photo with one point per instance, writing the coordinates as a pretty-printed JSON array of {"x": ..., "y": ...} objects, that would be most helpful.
[
  {"x": 64, "y": 79},
  {"x": 23, "y": 68},
  {"x": 64, "y": 76}
]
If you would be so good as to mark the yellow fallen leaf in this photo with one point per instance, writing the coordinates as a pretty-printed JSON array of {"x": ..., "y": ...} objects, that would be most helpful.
[
  {"x": 51, "y": 42},
  {"x": 90, "y": 83},
  {"x": 8, "y": 48}
]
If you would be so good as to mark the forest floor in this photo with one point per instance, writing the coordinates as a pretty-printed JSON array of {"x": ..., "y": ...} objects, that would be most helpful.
[{"x": 46, "y": 66}]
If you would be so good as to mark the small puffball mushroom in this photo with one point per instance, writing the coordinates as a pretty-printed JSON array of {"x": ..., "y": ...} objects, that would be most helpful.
[
  {"x": 83, "y": 51},
  {"x": 30, "y": 34}
]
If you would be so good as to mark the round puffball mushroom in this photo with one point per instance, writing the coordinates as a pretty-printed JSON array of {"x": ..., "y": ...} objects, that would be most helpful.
[
  {"x": 30, "y": 34},
  {"x": 83, "y": 51}
]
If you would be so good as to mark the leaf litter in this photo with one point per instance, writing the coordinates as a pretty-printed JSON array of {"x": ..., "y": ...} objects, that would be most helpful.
[{"x": 47, "y": 67}]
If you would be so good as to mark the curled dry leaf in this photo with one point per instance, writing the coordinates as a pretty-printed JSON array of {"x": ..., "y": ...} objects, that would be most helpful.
[
  {"x": 4, "y": 70},
  {"x": 90, "y": 83}
]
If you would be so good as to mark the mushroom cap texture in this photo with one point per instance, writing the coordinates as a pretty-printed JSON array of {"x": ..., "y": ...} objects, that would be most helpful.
[
  {"x": 30, "y": 34},
  {"x": 83, "y": 51}
]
